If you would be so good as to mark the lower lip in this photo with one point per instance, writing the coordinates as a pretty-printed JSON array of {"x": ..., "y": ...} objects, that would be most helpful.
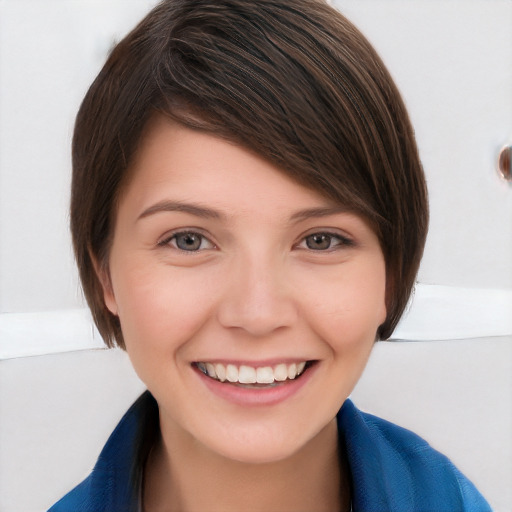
[{"x": 257, "y": 396}]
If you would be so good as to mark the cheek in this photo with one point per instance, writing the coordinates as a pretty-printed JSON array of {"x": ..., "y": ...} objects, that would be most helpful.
[
  {"x": 348, "y": 306},
  {"x": 161, "y": 306}
]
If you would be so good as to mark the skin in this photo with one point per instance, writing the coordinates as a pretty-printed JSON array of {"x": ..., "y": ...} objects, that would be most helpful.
[{"x": 253, "y": 291}]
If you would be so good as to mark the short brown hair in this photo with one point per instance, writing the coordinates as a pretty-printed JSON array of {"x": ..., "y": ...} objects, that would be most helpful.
[{"x": 292, "y": 80}]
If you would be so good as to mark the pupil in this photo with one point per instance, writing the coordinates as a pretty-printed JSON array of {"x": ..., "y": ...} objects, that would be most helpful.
[
  {"x": 318, "y": 242},
  {"x": 188, "y": 242}
]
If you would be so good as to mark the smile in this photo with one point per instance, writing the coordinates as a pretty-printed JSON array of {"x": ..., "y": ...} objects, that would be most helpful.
[{"x": 245, "y": 374}]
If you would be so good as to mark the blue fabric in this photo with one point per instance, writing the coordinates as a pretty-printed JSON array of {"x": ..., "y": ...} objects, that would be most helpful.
[
  {"x": 113, "y": 485},
  {"x": 392, "y": 469}
]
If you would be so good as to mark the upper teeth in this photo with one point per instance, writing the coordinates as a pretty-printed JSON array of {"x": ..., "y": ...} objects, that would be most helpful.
[{"x": 244, "y": 374}]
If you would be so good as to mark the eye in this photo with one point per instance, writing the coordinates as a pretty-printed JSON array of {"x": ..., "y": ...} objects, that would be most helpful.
[
  {"x": 324, "y": 241},
  {"x": 189, "y": 241}
]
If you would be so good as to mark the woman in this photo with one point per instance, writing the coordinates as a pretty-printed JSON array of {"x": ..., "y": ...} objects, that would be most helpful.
[{"x": 248, "y": 215}]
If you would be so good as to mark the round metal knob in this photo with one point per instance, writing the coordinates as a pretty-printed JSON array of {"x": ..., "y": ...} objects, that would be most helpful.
[{"x": 505, "y": 162}]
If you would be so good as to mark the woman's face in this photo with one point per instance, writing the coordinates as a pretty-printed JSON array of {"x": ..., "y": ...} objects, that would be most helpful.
[{"x": 222, "y": 264}]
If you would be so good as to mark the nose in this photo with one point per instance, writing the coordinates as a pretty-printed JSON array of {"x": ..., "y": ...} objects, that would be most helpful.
[{"x": 257, "y": 299}]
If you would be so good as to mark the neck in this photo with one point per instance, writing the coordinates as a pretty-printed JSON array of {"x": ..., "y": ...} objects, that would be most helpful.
[{"x": 186, "y": 477}]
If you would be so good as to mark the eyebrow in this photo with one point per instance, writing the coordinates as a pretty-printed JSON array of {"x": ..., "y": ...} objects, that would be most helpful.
[
  {"x": 210, "y": 213},
  {"x": 178, "y": 206},
  {"x": 311, "y": 213}
]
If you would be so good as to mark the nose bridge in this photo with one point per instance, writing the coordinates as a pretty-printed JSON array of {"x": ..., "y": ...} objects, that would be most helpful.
[{"x": 257, "y": 299}]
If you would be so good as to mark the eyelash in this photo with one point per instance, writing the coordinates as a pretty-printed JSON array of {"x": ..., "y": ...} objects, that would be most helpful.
[
  {"x": 342, "y": 241},
  {"x": 167, "y": 240}
]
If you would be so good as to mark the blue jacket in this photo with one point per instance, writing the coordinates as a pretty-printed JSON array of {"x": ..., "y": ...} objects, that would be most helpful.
[{"x": 391, "y": 468}]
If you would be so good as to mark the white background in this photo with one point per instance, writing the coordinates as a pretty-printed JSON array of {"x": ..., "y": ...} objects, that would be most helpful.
[
  {"x": 452, "y": 61},
  {"x": 450, "y": 58}
]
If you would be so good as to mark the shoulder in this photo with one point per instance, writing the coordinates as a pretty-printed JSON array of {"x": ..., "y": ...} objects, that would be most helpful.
[
  {"x": 114, "y": 482},
  {"x": 401, "y": 469},
  {"x": 78, "y": 500}
]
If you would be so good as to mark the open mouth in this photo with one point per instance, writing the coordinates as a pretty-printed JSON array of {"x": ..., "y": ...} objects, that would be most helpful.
[{"x": 249, "y": 376}]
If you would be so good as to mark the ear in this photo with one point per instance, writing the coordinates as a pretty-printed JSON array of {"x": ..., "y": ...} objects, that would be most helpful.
[{"x": 103, "y": 275}]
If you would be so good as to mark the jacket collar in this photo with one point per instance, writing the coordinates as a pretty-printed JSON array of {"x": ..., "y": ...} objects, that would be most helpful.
[{"x": 390, "y": 468}]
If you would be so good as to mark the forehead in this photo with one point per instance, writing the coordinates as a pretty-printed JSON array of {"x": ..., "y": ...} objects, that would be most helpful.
[{"x": 177, "y": 163}]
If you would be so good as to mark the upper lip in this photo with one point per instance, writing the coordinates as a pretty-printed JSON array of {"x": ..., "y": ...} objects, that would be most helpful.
[{"x": 255, "y": 364}]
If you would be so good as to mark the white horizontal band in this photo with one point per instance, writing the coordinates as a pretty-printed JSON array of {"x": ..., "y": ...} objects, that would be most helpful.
[{"x": 435, "y": 313}]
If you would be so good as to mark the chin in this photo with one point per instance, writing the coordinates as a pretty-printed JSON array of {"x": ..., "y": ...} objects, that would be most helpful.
[
  {"x": 257, "y": 454},
  {"x": 260, "y": 445}
]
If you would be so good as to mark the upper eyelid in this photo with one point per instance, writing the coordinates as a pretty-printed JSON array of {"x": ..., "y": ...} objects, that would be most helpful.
[
  {"x": 334, "y": 232},
  {"x": 340, "y": 240},
  {"x": 343, "y": 242},
  {"x": 167, "y": 237}
]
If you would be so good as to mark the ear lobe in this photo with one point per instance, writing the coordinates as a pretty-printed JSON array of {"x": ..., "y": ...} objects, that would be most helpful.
[{"x": 103, "y": 275}]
